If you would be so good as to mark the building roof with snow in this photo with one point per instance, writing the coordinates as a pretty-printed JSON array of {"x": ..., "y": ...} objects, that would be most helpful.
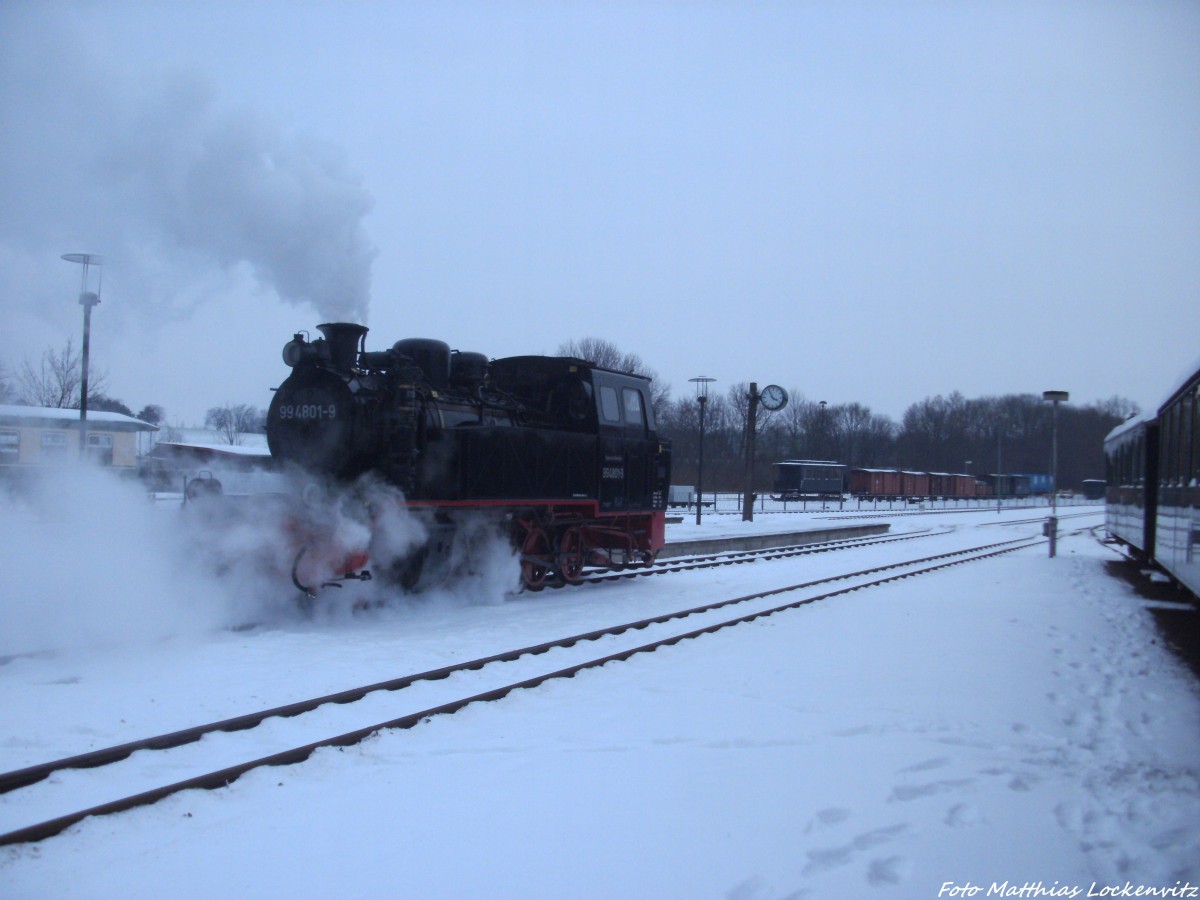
[{"x": 50, "y": 417}]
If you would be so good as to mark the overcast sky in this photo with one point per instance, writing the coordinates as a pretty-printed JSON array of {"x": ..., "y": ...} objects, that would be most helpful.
[{"x": 867, "y": 201}]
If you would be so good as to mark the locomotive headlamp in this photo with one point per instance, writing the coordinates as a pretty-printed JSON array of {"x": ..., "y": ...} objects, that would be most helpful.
[{"x": 294, "y": 351}]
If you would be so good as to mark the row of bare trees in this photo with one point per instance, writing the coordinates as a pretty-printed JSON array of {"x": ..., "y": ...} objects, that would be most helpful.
[
  {"x": 949, "y": 434},
  {"x": 1010, "y": 433},
  {"x": 55, "y": 381}
]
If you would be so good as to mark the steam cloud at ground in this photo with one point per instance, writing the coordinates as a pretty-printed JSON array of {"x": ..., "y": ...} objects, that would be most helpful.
[{"x": 89, "y": 560}]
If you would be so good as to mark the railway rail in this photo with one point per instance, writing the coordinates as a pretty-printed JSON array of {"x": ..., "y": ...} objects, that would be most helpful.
[
  {"x": 737, "y": 557},
  {"x": 758, "y": 604},
  {"x": 929, "y": 512}
]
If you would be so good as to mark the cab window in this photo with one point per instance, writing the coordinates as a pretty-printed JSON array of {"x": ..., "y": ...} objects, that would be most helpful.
[
  {"x": 635, "y": 417},
  {"x": 610, "y": 407}
]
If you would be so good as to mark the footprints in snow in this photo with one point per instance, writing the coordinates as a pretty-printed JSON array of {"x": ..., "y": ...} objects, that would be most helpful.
[{"x": 867, "y": 848}]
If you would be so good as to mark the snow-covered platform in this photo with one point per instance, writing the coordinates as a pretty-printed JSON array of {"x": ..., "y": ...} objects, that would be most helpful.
[{"x": 816, "y": 535}]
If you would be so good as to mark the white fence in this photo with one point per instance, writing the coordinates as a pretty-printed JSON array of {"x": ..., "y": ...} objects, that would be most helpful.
[{"x": 725, "y": 502}]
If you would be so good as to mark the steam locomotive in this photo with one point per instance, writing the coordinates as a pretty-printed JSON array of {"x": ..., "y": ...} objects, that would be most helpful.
[{"x": 560, "y": 454}]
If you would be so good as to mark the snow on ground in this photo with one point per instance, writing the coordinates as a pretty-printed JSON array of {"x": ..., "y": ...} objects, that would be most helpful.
[{"x": 1009, "y": 723}]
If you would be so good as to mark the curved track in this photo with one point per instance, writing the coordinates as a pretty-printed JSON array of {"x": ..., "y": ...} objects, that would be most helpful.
[{"x": 756, "y": 605}]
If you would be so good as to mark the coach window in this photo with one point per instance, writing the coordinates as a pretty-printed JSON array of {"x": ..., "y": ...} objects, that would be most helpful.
[
  {"x": 10, "y": 446},
  {"x": 54, "y": 446},
  {"x": 1187, "y": 445},
  {"x": 1173, "y": 445},
  {"x": 1196, "y": 436},
  {"x": 100, "y": 449},
  {"x": 610, "y": 406}
]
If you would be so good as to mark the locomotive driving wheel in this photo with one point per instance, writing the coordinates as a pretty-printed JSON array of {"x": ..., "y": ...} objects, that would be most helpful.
[
  {"x": 570, "y": 554},
  {"x": 536, "y": 558}
]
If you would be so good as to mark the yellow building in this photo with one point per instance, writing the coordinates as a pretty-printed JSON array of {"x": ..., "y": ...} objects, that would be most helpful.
[{"x": 34, "y": 438}]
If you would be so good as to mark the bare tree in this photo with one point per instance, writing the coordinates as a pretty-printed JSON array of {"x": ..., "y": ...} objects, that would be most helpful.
[
  {"x": 606, "y": 355},
  {"x": 234, "y": 421},
  {"x": 55, "y": 382},
  {"x": 1011, "y": 433},
  {"x": 6, "y": 389}
]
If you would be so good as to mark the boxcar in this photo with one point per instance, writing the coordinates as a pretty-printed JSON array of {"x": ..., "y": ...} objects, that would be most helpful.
[
  {"x": 796, "y": 479},
  {"x": 1039, "y": 484},
  {"x": 939, "y": 484},
  {"x": 1010, "y": 485},
  {"x": 914, "y": 484},
  {"x": 962, "y": 486},
  {"x": 875, "y": 483}
]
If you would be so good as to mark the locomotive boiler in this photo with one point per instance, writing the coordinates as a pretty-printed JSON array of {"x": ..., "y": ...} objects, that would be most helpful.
[{"x": 560, "y": 454}]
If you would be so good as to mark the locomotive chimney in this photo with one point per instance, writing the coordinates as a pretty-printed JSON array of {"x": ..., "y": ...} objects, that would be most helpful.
[{"x": 343, "y": 339}]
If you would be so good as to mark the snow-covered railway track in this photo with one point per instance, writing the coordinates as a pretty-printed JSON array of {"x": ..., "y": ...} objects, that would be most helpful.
[
  {"x": 930, "y": 512},
  {"x": 737, "y": 557},
  {"x": 1038, "y": 519},
  {"x": 44, "y": 792}
]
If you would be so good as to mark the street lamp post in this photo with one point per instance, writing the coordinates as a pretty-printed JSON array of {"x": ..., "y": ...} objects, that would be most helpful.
[
  {"x": 999, "y": 466},
  {"x": 702, "y": 382},
  {"x": 87, "y": 299},
  {"x": 1055, "y": 397},
  {"x": 824, "y": 426}
]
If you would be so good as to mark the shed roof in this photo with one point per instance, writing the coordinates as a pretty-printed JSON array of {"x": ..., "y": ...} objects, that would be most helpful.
[
  {"x": 212, "y": 451},
  {"x": 50, "y": 417}
]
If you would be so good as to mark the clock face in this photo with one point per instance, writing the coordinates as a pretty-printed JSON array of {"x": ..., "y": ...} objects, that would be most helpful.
[{"x": 773, "y": 397}]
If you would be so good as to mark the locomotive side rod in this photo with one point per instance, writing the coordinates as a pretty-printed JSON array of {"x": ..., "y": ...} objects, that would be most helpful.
[{"x": 226, "y": 776}]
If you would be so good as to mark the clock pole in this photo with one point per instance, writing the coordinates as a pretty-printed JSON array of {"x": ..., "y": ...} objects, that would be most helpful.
[
  {"x": 773, "y": 398},
  {"x": 748, "y": 484}
]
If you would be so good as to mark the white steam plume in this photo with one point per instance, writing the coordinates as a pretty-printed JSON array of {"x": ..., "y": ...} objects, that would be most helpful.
[{"x": 176, "y": 186}]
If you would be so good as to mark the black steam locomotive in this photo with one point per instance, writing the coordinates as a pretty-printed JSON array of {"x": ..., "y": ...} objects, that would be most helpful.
[{"x": 561, "y": 453}]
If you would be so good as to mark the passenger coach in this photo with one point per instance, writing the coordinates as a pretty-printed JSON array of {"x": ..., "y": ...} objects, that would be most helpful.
[{"x": 1153, "y": 494}]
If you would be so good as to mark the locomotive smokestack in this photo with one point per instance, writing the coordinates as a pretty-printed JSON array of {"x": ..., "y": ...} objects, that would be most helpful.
[{"x": 343, "y": 339}]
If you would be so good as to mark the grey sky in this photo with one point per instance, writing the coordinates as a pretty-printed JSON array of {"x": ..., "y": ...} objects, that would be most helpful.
[{"x": 872, "y": 202}]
